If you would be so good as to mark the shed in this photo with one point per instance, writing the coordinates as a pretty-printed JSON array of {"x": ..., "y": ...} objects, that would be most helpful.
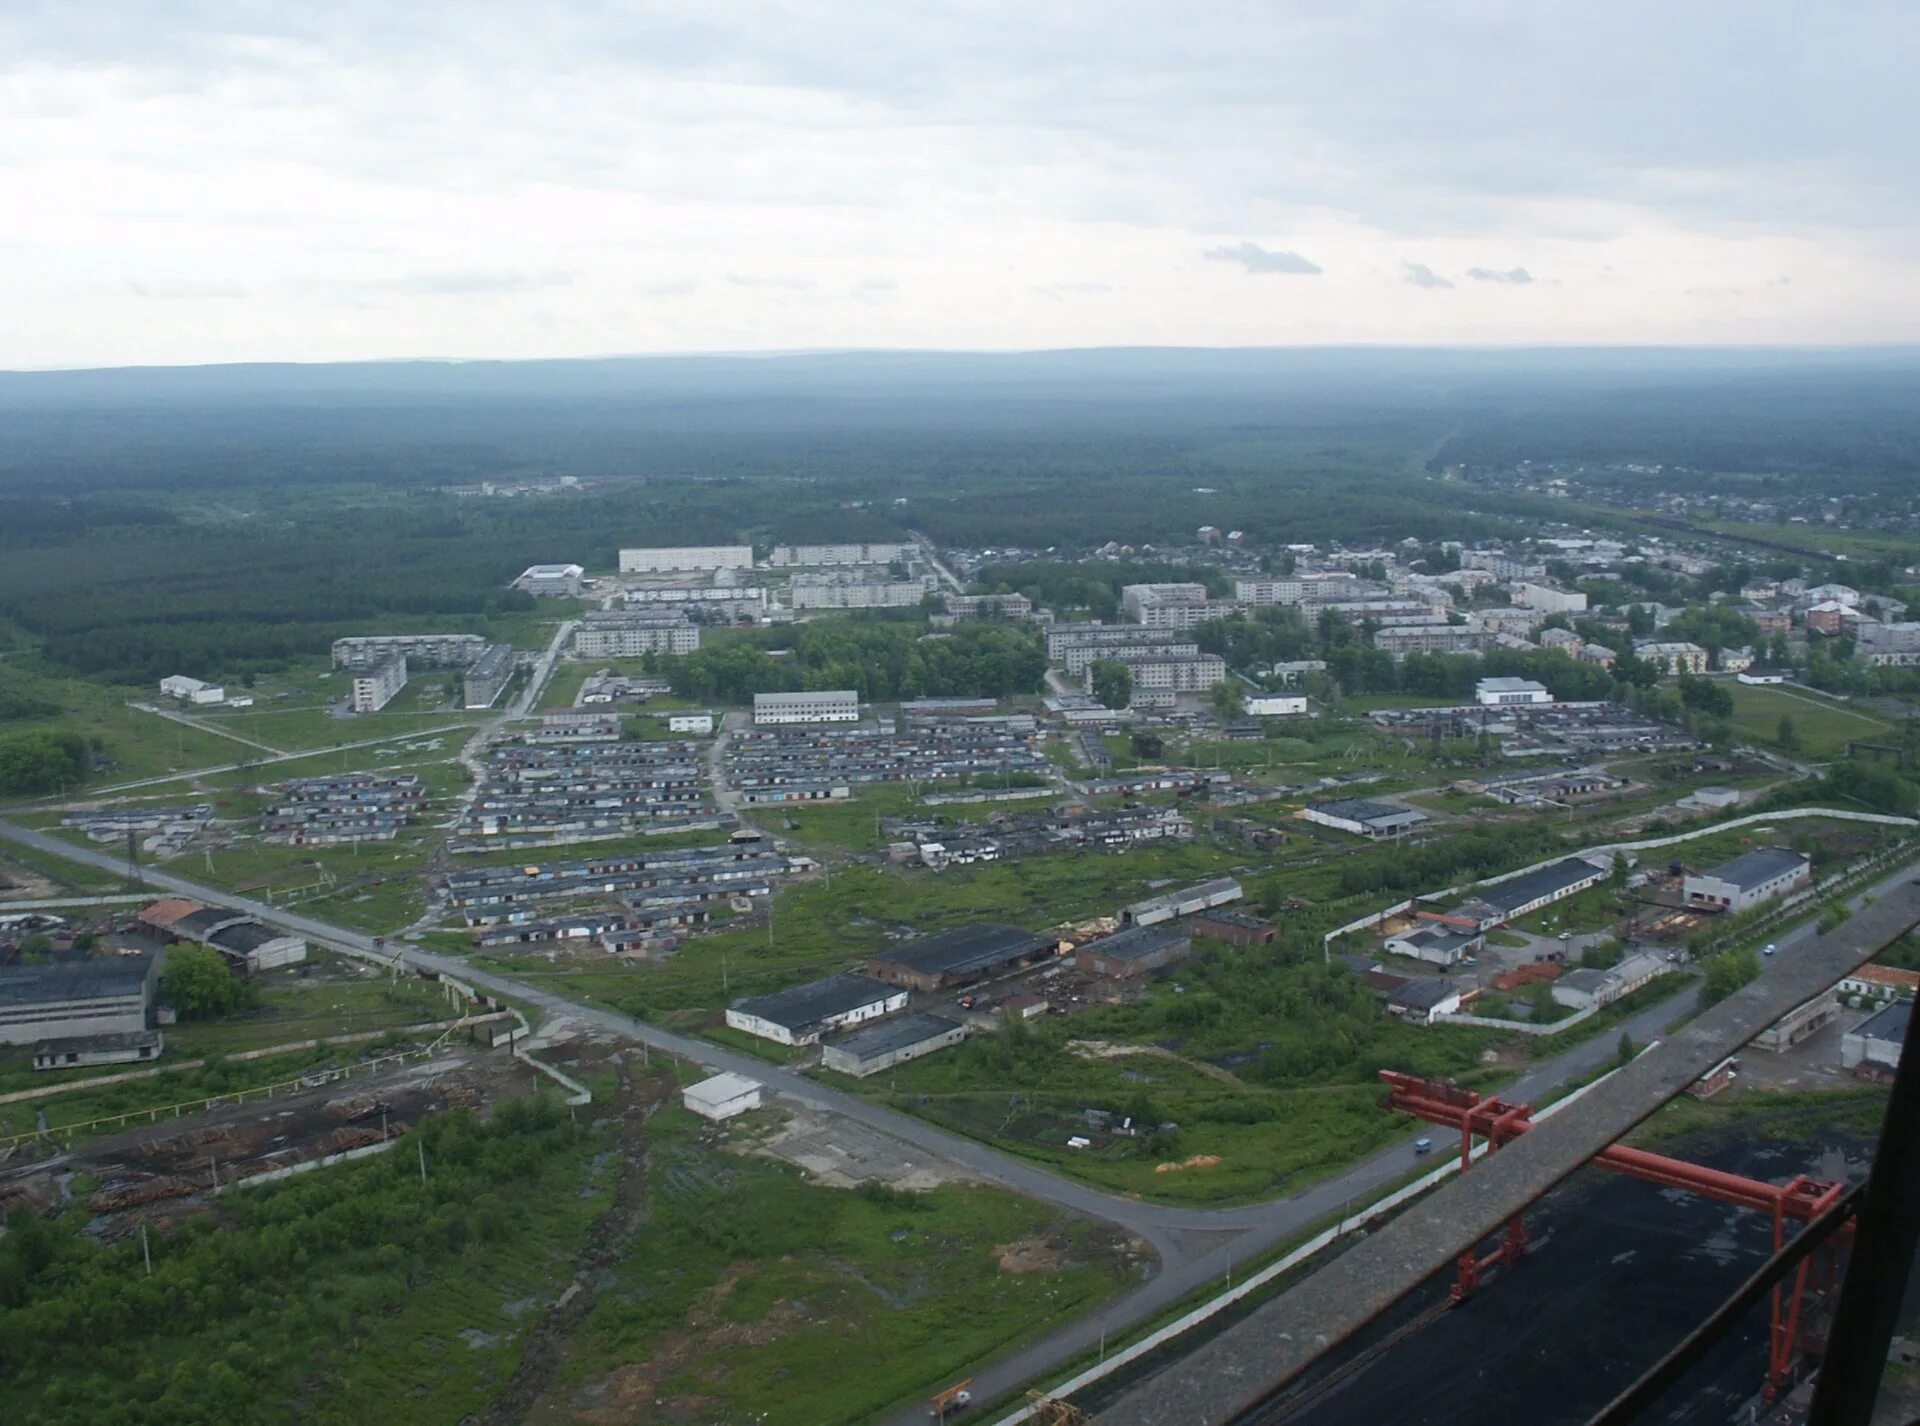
[
  {"x": 801, "y": 1014},
  {"x": 960, "y": 956},
  {"x": 723, "y": 1096}
]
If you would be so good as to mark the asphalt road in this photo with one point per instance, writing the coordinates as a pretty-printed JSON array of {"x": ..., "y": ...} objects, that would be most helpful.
[{"x": 1195, "y": 1246}]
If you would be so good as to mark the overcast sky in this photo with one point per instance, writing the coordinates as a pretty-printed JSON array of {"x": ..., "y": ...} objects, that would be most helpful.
[{"x": 188, "y": 181}]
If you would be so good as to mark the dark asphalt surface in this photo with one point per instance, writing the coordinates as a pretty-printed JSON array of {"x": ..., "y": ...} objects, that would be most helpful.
[{"x": 1195, "y": 1246}]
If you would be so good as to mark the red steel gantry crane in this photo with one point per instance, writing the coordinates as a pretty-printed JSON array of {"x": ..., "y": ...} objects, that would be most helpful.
[{"x": 1800, "y": 1200}]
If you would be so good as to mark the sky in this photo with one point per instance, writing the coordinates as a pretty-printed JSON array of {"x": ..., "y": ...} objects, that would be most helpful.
[{"x": 204, "y": 181}]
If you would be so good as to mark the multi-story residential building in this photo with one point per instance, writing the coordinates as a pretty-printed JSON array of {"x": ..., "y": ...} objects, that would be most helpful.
[
  {"x": 1296, "y": 589},
  {"x": 685, "y": 559},
  {"x": 1158, "y": 678},
  {"x": 1499, "y": 564},
  {"x": 1078, "y": 658},
  {"x": 747, "y": 597},
  {"x": 1547, "y": 599},
  {"x": 1890, "y": 645},
  {"x": 840, "y": 591},
  {"x": 1162, "y": 605},
  {"x": 489, "y": 676},
  {"x": 1520, "y": 622},
  {"x": 624, "y": 634},
  {"x": 375, "y": 685},
  {"x": 790, "y": 556},
  {"x": 833, "y": 706},
  {"x": 1831, "y": 617},
  {"x": 1437, "y": 637},
  {"x": 989, "y": 606},
  {"x": 1673, "y": 658},
  {"x": 421, "y": 650},
  {"x": 1062, "y": 637}
]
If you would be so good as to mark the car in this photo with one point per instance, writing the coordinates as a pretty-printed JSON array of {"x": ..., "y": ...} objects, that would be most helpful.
[
  {"x": 1566, "y": 935},
  {"x": 1423, "y": 1146},
  {"x": 1768, "y": 949}
]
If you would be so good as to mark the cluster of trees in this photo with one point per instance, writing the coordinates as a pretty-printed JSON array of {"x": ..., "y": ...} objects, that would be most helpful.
[
  {"x": 1726, "y": 973},
  {"x": 199, "y": 985},
  {"x": 1112, "y": 683},
  {"x": 1092, "y": 587},
  {"x": 1464, "y": 857},
  {"x": 879, "y": 659},
  {"x": 41, "y": 760},
  {"x": 241, "y": 1312},
  {"x": 18, "y": 707}
]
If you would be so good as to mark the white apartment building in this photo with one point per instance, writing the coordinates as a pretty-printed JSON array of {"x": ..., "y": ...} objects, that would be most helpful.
[
  {"x": 834, "y": 706},
  {"x": 1674, "y": 658},
  {"x": 421, "y": 650},
  {"x": 839, "y": 592},
  {"x": 680, "y": 559},
  {"x": 1078, "y": 658},
  {"x": 748, "y": 596},
  {"x": 1547, "y": 599},
  {"x": 628, "y": 636},
  {"x": 1172, "y": 606},
  {"x": 791, "y": 556},
  {"x": 1296, "y": 589},
  {"x": 375, "y": 686},
  {"x": 1158, "y": 679}
]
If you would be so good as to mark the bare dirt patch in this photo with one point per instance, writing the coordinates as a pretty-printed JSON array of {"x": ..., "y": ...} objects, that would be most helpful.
[
  {"x": 1031, "y": 1255},
  {"x": 1195, "y": 1161},
  {"x": 839, "y": 1153}
]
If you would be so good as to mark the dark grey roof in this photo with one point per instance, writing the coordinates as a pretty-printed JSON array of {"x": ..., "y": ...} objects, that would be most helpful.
[
  {"x": 802, "y": 1007},
  {"x": 1445, "y": 936},
  {"x": 1226, "y": 916},
  {"x": 966, "y": 949},
  {"x": 1888, "y": 1024},
  {"x": 1361, "y": 809},
  {"x": 1423, "y": 994},
  {"x": 107, "y": 977},
  {"x": 95, "y": 1044},
  {"x": 1761, "y": 865},
  {"x": 1519, "y": 890},
  {"x": 244, "y": 937},
  {"x": 1136, "y": 942},
  {"x": 889, "y": 1036},
  {"x": 195, "y": 924}
]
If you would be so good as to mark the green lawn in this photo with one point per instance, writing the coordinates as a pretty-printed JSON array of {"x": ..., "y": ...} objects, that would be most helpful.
[{"x": 1823, "y": 726}]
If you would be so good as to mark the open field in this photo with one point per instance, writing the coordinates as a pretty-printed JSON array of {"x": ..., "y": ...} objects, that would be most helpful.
[{"x": 1823, "y": 726}]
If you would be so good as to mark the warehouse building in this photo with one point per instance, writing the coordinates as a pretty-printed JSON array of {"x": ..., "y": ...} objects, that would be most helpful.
[
  {"x": 802, "y": 1014},
  {"x": 1872, "y": 1048},
  {"x": 1435, "y": 943},
  {"x": 722, "y": 1097},
  {"x": 421, "y": 650},
  {"x": 1425, "y": 1000},
  {"x": 681, "y": 559},
  {"x": 1133, "y": 952},
  {"x": 961, "y": 956},
  {"x": 893, "y": 1042},
  {"x": 1749, "y": 879},
  {"x": 801, "y": 556},
  {"x": 86, "y": 1051},
  {"x": 1522, "y": 895},
  {"x": 1236, "y": 928},
  {"x": 489, "y": 676},
  {"x": 1187, "y": 901},
  {"x": 551, "y": 580},
  {"x": 247, "y": 944},
  {"x": 831, "y": 706},
  {"x": 374, "y": 686},
  {"x": 192, "y": 690},
  {"x": 1591, "y": 989},
  {"x": 76, "y": 1000},
  {"x": 1363, "y": 818},
  {"x": 1509, "y": 692}
]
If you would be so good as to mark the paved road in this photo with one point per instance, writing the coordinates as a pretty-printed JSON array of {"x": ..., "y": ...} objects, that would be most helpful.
[
  {"x": 1195, "y": 1245},
  {"x": 932, "y": 556}
]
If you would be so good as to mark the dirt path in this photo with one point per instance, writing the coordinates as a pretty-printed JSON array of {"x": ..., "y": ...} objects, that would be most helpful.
[{"x": 1106, "y": 1050}]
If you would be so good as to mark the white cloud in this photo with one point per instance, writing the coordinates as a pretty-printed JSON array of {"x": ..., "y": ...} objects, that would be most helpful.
[
  {"x": 1255, "y": 258},
  {"x": 1420, "y": 275}
]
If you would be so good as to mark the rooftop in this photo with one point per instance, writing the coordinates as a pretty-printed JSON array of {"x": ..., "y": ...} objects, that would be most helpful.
[
  {"x": 1136, "y": 942},
  {"x": 801, "y": 1007},
  {"x": 107, "y": 977},
  {"x": 966, "y": 948},
  {"x": 1531, "y": 886},
  {"x": 1889, "y": 1024},
  {"x": 1761, "y": 865},
  {"x": 1361, "y": 809},
  {"x": 1424, "y": 994},
  {"x": 1206, "y": 890},
  {"x": 168, "y": 911},
  {"x": 900, "y": 1033}
]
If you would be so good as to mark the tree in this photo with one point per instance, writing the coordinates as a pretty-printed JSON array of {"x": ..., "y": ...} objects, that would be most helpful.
[
  {"x": 1112, "y": 683},
  {"x": 1726, "y": 973},
  {"x": 1624, "y": 1052},
  {"x": 1227, "y": 699},
  {"x": 199, "y": 986},
  {"x": 1540, "y": 1000},
  {"x": 1617, "y": 874},
  {"x": 41, "y": 760},
  {"x": 1786, "y": 735}
]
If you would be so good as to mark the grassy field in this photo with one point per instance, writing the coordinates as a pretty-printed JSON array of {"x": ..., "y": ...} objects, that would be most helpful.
[
  {"x": 570, "y": 673},
  {"x": 1822, "y": 725},
  {"x": 747, "y": 1294},
  {"x": 137, "y": 744}
]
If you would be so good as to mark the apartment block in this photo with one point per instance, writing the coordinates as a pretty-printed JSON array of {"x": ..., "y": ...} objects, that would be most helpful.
[
  {"x": 374, "y": 686},
  {"x": 605, "y": 633},
  {"x": 814, "y": 556},
  {"x": 421, "y": 650},
  {"x": 685, "y": 559}
]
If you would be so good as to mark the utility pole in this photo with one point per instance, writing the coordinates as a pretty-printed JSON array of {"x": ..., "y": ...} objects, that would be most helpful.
[
  {"x": 421, "y": 1145},
  {"x": 145, "y": 1251}
]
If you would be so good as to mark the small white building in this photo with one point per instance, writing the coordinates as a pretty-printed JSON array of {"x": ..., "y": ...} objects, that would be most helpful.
[
  {"x": 1873, "y": 1047},
  {"x": 1548, "y": 599},
  {"x": 1274, "y": 705},
  {"x": 1509, "y": 692},
  {"x": 690, "y": 722},
  {"x": 723, "y": 1096},
  {"x": 192, "y": 690},
  {"x": 1761, "y": 675}
]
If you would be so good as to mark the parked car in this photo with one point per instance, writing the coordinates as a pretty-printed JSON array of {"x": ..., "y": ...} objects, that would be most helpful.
[{"x": 1769, "y": 949}]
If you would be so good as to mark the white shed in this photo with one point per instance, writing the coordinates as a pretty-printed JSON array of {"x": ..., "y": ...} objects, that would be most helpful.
[{"x": 723, "y": 1096}]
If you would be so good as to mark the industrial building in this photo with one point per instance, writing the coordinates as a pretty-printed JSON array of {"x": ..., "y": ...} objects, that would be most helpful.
[
  {"x": 192, "y": 690},
  {"x": 124, "y": 1047},
  {"x": 961, "y": 956},
  {"x": 802, "y": 1014},
  {"x": 375, "y": 685},
  {"x": 1518, "y": 896},
  {"x": 1133, "y": 952},
  {"x": 1187, "y": 901},
  {"x": 421, "y": 650},
  {"x": 1591, "y": 989},
  {"x": 1509, "y": 692},
  {"x": 1236, "y": 928},
  {"x": 1881, "y": 982},
  {"x": 1425, "y": 1000},
  {"x": 1748, "y": 880},
  {"x": 1274, "y": 705},
  {"x": 683, "y": 559},
  {"x": 1435, "y": 943},
  {"x": 622, "y": 634},
  {"x": 552, "y": 580},
  {"x": 76, "y": 1000},
  {"x": 483, "y": 684},
  {"x": 830, "y": 706},
  {"x": 241, "y": 938},
  {"x": 722, "y": 1097},
  {"x": 1363, "y": 818},
  {"x": 801, "y": 556},
  {"x": 892, "y": 1042},
  {"x": 1872, "y": 1048}
]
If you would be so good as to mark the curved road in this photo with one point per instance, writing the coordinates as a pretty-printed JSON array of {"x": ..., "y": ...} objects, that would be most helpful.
[{"x": 1195, "y": 1246}]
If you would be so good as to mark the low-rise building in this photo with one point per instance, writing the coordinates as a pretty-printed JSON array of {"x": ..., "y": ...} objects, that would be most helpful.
[
  {"x": 1522, "y": 895},
  {"x": 551, "y": 580},
  {"x": 689, "y": 722},
  {"x": 1673, "y": 658},
  {"x": 192, "y": 690},
  {"x": 723, "y": 1096},
  {"x": 374, "y": 686},
  {"x": 1236, "y": 928},
  {"x": 1425, "y": 1000},
  {"x": 124, "y": 1047},
  {"x": 1435, "y": 943},
  {"x": 1509, "y": 692},
  {"x": 1804, "y": 1020},
  {"x": 1364, "y": 817},
  {"x": 802, "y": 1014},
  {"x": 1872, "y": 1048},
  {"x": 1187, "y": 901},
  {"x": 1881, "y": 982},
  {"x": 1133, "y": 952},
  {"x": 1748, "y": 880},
  {"x": 961, "y": 956},
  {"x": 831, "y": 706},
  {"x": 892, "y": 1042},
  {"x": 1590, "y": 989},
  {"x": 68, "y": 1000},
  {"x": 1274, "y": 705}
]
